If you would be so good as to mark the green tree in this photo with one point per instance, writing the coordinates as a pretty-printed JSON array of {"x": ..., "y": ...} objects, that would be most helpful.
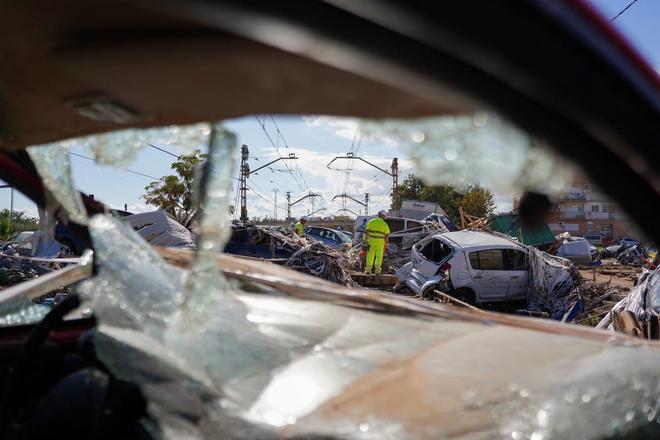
[
  {"x": 410, "y": 189},
  {"x": 447, "y": 196},
  {"x": 6, "y": 229},
  {"x": 478, "y": 201},
  {"x": 174, "y": 193},
  {"x": 18, "y": 222}
]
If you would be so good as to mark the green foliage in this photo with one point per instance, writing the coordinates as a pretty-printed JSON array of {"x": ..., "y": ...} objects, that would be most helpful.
[
  {"x": 6, "y": 230},
  {"x": 446, "y": 196},
  {"x": 174, "y": 193},
  {"x": 18, "y": 222},
  {"x": 476, "y": 200}
]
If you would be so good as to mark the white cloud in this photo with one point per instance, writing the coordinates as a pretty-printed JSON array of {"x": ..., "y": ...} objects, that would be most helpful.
[
  {"x": 342, "y": 127},
  {"x": 347, "y": 127},
  {"x": 503, "y": 202}
]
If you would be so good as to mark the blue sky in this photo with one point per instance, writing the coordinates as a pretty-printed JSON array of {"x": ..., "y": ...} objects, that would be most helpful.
[
  {"x": 639, "y": 24},
  {"x": 316, "y": 141}
]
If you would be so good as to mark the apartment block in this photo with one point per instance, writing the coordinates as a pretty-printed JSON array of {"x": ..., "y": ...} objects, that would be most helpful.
[{"x": 583, "y": 209}]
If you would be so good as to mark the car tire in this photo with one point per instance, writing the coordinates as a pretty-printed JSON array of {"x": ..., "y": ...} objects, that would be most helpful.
[{"x": 428, "y": 292}]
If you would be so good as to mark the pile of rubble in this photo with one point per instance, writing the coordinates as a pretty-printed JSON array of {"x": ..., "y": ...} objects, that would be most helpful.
[
  {"x": 15, "y": 274},
  {"x": 320, "y": 260},
  {"x": 634, "y": 256},
  {"x": 272, "y": 236},
  {"x": 598, "y": 299}
]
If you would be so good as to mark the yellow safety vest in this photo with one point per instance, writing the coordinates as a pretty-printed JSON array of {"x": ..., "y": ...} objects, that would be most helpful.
[
  {"x": 378, "y": 229},
  {"x": 299, "y": 229}
]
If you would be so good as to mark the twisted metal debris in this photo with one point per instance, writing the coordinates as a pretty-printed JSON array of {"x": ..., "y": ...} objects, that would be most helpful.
[
  {"x": 322, "y": 261},
  {"x": 553, "y": 283}
]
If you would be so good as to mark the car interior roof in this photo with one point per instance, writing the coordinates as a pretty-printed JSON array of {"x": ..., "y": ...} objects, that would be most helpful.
[{"x": 165, "y": 70}]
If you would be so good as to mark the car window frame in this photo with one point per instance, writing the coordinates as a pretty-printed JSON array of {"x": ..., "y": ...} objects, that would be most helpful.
[
  {"x": 416, "y": 228},
  {"x": 479, "y": 258},
  {"x": 396, "y": 220},
  {"x": 524, "y": 267}
]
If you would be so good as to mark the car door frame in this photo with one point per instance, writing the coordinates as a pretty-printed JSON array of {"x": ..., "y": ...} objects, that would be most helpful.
[
  {"x": 518, "y": 276},
  {"x": 481, "y": 276}
]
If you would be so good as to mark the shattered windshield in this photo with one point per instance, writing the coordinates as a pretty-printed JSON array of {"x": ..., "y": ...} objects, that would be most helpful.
[{"x": 205, "y": 286}]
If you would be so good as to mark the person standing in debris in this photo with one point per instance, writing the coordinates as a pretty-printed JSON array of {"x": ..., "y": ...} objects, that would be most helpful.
[
  {"x": 300, "y": 226},
  {"x": 376, "y": 237}
]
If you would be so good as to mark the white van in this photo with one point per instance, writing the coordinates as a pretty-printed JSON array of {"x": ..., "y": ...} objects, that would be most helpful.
[{"x": 471, "y": 265}]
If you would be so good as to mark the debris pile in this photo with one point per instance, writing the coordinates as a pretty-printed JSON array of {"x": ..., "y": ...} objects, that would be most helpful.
[
  {"x": 261, "y": 235},
  {"x": 16, "y": 269},
  {"x": 320, "y": 260},
  {"x": 634, "y": 256},
  {"x": 15, "y": 274},
  {"x": 598, "y": 298}
]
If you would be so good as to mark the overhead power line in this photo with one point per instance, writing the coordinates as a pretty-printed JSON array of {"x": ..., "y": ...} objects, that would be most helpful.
[
  {"x": 260, "y": 196},
  {"x": 125, "y": 169},
  {"x": 164, "y": 151},
  {"x": 286, "y": 144},
  {"x": 623, "y": 10},
  {"x": 297, "y": 174}
]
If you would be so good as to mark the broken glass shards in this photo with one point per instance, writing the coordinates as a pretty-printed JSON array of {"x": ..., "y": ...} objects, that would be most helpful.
[
  {"x": 213, "y": 360},
  {"x": 213, "y": 183},
  {"x": 116, "y": 148},
  {"x": 473, "y": 149},
  {"x": 54, "y": 166}
]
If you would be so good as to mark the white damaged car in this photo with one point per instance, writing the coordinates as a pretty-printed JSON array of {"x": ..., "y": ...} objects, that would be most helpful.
[{"x": 473, "y": 266}]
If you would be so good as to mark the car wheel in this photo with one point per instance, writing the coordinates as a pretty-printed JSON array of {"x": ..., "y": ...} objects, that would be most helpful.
[{"x": 428, "y": 292}]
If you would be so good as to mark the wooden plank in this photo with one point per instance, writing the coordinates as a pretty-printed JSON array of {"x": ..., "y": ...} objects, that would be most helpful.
[{"x": 456, "y": 301}]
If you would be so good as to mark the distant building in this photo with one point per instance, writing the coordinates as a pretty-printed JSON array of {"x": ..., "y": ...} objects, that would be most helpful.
[{"x": 583, "y": 209}]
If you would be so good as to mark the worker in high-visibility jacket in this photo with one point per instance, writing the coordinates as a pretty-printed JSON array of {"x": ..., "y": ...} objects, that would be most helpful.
[
  {"x": 300, "y": 226},
  {"x": 376, "y": 235}
]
